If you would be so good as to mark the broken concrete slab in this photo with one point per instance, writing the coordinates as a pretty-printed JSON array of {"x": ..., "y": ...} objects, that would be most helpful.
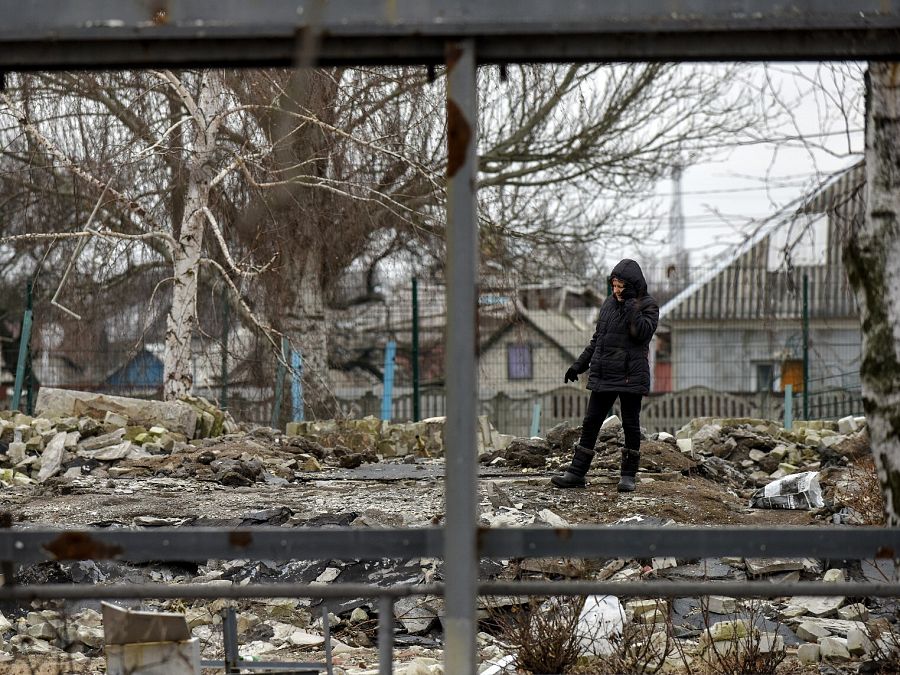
[
  {"x": 811, "y": 632},
  {"x": 52, "y": 457},
  {"x": 174, "y": 415},
  {"x": 819, "y": 607}
]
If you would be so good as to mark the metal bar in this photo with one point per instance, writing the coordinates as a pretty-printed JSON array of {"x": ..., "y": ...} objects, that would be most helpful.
[
  {"x": 226, "y": 321},
  {"x": 212, "y": 591},
  {"x": 460, "y": 558},
  {"x": 24, "y": 338},
  {"x": 417, "y": 409},
  {"x": 230, "y": 637},
  {"x": 683, "y": 589},
  {"x": 805, "y": 346},
  {"x": 326, "y": 629},
  {"x": 385, "y": 635},
  {"x": 638, "y": 589},
  {"x": 788, "y": 406},
  {"x": 304, "y": 667},
  {"x": 387, "y": 396},
  {"x": 279, "y": 382},
  {"x": 273, "y": 543},
  {"x": 44, "y": 34},
  {"x": 200, "y": 544}
]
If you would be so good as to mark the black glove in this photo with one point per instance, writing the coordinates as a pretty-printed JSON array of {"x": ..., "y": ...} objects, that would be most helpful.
[
  {"x": 629, "y": 292},
  {"x": 571, "y": 375}
]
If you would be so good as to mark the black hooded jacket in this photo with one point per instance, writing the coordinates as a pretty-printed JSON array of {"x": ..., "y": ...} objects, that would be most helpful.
[{"x": 618, "y": 355}]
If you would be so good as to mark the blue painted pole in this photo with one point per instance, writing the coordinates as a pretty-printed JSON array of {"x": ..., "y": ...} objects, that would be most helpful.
[
  {"x": 536, "y": 419},
  {"x": 296, "y": 386},
  {"x": 387, "y": 398},
  {"x": 788, "y": 406}
]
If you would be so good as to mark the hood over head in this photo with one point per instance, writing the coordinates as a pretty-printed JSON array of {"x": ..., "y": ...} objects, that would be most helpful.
[{"x": 630, "y": 272}]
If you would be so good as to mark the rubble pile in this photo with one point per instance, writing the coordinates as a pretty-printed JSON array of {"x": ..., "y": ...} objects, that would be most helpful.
[
  {"x": 85, "y": 459},
  {"x": 372, "y": 435}
]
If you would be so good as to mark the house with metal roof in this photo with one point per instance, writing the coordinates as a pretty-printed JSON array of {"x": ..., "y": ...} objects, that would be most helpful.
[{"x": 778, "y": 311}]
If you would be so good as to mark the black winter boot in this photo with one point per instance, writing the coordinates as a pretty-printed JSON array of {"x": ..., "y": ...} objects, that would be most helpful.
[
  {"x": 576, "y": 471},
  {"x": 631, "y": 459}
]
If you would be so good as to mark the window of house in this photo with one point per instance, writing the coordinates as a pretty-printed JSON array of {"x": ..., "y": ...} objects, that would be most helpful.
[
  {"x": 792, "y": 373},
  {"x": 519, "y": 362},
  {"x": 765, "y": 376}
]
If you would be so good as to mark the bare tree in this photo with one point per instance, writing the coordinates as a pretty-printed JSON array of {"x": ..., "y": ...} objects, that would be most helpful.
[
  {"x": 872, "y": 257},
  {"x": 322, "y": 170}
]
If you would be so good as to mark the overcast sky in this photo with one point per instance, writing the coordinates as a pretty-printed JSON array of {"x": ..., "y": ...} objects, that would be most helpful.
[{"x": 724, "y": 199}]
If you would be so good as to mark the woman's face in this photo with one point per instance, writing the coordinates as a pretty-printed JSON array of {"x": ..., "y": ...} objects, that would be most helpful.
[{"x": 618, "y": 287}]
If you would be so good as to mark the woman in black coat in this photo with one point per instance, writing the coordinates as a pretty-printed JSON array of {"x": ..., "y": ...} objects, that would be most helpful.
[{"x": 618, "y": 360}]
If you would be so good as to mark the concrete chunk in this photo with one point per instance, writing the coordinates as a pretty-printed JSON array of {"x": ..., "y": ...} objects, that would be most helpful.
[
  {"x": 720, "y": 604},
  {"x": 811, "y": 632},
  {"x": 834, "y": 648},
  {"x": 808, "y": 653},
  {"x": 855, "y": 612},
  {"x": 51, "y": 459},
  {"x": 819, "y": 606}
]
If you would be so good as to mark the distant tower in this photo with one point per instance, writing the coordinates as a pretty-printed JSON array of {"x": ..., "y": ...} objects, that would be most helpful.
[{"x": 677, "y": 272}]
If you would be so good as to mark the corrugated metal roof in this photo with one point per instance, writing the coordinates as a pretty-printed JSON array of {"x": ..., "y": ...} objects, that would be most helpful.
[{"x": 742, "y": 285}]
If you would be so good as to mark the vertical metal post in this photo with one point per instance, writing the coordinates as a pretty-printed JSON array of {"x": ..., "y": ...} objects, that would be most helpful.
[
  {"x": 805, "y": 346},
  {"x": 326, "y": 630},
  {"x": 460, "y": 552},
  {"x": 279, "y": 383},
  {"x": 417, "y": 411},
  {"x": 24, "y": 339},
  {"x": 385, "y": 635},
  {"x": 226, "y": 319},
  {"x": 788, "y": 406},
  {"x": 297, "y": 411},
  {"x": 230, "y": 637},
  {"x": 387, "y": 396}
]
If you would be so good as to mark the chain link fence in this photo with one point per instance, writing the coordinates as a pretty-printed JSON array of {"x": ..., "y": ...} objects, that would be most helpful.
[{"x": 730, "y": 341}]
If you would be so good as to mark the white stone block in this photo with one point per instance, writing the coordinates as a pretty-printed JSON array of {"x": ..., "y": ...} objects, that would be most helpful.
[
  {"x": 808, "y": 653},
  {"x": 686, "y": 445},
  {"x": 847, "y": 425},
  {"x": 834, "y": 648}
]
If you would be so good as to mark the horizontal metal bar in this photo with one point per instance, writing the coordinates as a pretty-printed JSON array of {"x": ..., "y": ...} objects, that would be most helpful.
[
  {"x": 690, "y": 589},
  {"x": 47, "y": 34},
  {"x": 266, "y": 665},
  {"x": 639, "y": 589},
  {"x": 213, "y": 591},
  {"x": 276, "y": 543},
  {"x": 840, "y": 543},
  {"x": 199, "y": 544}
]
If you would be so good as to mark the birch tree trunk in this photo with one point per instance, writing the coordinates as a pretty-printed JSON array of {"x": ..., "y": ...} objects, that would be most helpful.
[
  {"x": 182, "y": 320},
  {"x": 872, "y": 259}
]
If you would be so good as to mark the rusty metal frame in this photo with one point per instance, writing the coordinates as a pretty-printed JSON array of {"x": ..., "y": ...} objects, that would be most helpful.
[{"x": 50, "y": 34}]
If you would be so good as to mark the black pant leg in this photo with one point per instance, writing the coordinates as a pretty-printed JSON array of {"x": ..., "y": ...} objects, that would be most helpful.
[
  {"x": 597, "y": 410},
  {"x": 631, "y": 419}
]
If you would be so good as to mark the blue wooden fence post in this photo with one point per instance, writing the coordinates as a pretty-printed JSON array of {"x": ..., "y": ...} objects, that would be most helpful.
[
  {"x": 296, "y": 386},
  {"x": 536, "y": 419},
  {"x": 387, "y": 398}
]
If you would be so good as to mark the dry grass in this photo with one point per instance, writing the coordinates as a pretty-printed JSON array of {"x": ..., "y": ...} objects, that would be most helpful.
[{"x": 865, "y": 497}]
